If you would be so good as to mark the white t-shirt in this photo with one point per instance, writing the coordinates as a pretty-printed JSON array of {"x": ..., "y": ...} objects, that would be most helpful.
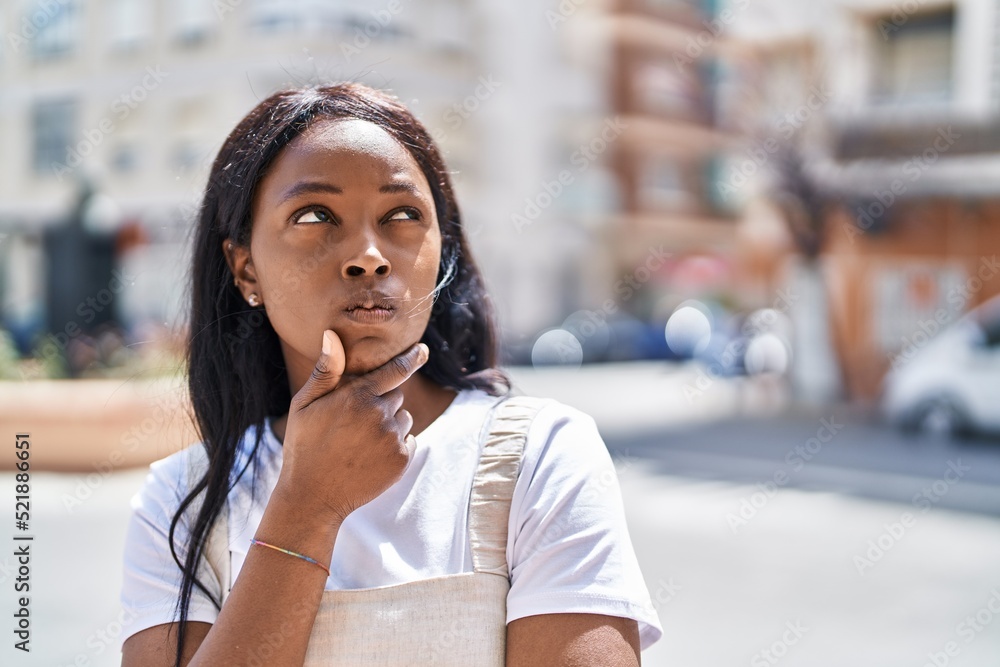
[{"x": 568, "y": 545}]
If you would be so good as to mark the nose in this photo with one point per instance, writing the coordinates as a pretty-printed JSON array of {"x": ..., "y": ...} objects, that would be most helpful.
[{"x": 369, "y": 262}]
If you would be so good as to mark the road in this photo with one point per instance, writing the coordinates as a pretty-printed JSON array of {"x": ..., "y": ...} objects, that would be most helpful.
[
  {"x": 818, "y": 539},
  {"x": 835, "y": 449}
]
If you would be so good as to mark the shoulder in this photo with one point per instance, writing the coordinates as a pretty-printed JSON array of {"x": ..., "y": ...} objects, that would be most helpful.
[
  {"x": 558, "y": 435},
  {"x": 551, "y": 430},
  {"x": 553, "y": 413},
  {"x": 190, "y": 459},
  {"x": 173, "y": 471},
  {"x": 174, "y": 475},
  {"x": 564, "y": 455},
  {"x": 168, "y": 481},
  {"x": 545, "y": 414}
]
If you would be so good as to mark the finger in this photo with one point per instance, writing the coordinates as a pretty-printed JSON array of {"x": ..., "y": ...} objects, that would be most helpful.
[
  {"x": 393, "y": 401},
  {"x": 327, "y": 372},
  {"x": 410, "y": 443},
  {"x": 404, "y": 421},
  {"x": 394, "y": 372}
]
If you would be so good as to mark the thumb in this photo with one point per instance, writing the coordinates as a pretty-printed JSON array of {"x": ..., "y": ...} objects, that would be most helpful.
[{"x": 326, "y": 373}]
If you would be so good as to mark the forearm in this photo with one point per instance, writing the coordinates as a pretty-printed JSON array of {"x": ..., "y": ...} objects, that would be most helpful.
[{"x": 271, "y": 608}]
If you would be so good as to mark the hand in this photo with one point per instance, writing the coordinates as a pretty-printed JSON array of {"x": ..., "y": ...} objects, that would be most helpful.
[{"x": 347, "y": 440}]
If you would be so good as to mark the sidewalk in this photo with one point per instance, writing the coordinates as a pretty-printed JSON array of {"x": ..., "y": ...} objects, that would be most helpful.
[
  {"x": 626, "y": 398},
  {"x": 87, "y": 425}
]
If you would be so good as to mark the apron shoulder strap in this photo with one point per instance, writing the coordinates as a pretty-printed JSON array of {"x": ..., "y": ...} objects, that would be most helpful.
[{"x": 493, "y": 484}]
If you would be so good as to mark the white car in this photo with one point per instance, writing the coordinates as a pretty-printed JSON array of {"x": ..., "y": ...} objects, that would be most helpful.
[{"x": 952, "y": 384}]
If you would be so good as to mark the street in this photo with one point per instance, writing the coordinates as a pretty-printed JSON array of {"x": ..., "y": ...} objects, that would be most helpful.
[
  {"x": 875, "y": 551},
  {"x": 833, "y": 449}
]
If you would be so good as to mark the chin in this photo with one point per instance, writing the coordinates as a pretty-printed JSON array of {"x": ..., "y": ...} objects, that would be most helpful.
[{"x": 368, "y": 354}]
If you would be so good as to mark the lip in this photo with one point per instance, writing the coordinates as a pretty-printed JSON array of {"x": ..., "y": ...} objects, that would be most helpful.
[
  {"x": 370, "y": 299},
  {"x": 370, "y": 315}
]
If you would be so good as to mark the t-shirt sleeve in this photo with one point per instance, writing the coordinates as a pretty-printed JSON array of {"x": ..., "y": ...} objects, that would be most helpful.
[
  {"x": 570, "y": 549},
  {"x": 151, "y": 581}
]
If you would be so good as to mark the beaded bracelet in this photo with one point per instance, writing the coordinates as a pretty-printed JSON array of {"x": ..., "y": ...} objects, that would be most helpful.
[{"x": 254, "y": 541}]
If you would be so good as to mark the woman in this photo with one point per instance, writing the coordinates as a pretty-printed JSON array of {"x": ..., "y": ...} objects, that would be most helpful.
[{"x": 363, "y": 464}]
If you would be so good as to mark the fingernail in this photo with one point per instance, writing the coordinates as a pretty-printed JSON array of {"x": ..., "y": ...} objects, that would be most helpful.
[
  {"x": 327, "y": 343},
  {"x": 426, "y": 353}
]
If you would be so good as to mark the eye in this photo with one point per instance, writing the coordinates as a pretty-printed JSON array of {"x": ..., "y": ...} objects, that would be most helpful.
[
  {"x": 312, "y": 215},
  {"x": 405, "y": 214}
]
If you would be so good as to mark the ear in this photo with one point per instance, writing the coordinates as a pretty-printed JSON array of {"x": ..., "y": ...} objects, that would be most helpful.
[{"x": 241, "y": 266}]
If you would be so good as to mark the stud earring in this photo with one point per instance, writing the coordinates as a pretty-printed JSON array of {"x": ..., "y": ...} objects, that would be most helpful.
[{"x": 253, "y": 299}]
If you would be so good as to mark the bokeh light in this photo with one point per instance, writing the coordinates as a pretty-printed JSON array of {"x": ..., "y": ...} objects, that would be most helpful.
[
  {"x": 557, "y": 347},
  {"x": 689, "y": 329}
]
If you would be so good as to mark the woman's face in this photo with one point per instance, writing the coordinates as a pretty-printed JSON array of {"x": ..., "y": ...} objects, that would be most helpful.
[{"x": 344, "y": 215}]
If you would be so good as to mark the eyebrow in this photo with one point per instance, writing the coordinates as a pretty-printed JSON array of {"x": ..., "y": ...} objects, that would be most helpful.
[{"x": 313, "y": 187}]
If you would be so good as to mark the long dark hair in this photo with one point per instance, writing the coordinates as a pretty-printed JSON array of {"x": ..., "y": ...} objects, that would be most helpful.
[{"x": 236, "y": 371}]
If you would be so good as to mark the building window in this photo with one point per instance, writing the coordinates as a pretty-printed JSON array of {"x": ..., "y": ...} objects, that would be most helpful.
[
  {"x": 125, "y": 158},
  {"x": 661, "y": 89},
  {"x": 706, "y": 8},
  {"x": 186, "y": 155},
  {"x": 273, "y": 16},
  {"x": 58, "y": 27},
  {"x": 53, "y": 132},
  {"x": 129, "y": 23},
  {"x": 908, "y": 295},
  {"x": 193, "y": 21},
  {"x": 914, "y": 59},
  {"x": 312, "y": 16},
  {"x": 448, "y": 27},
  {"x": 662, "y": 186}
]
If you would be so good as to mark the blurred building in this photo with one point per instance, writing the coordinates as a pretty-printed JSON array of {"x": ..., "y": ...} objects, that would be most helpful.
[
  {"x": 670, "y": 232},
  {"x": 611, "y": 158},
  {"x": 915, "y": 160},
  {"x": 584, "y": 138},
  {"x": 137, "y": 95},
  {"x": 664, "y": 82},
  {"x": 668, "y": 64},
  {"x": 902, "y": 149}
]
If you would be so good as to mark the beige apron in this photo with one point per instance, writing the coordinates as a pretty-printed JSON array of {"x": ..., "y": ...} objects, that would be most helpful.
[{"x": 458, "y": 619}]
